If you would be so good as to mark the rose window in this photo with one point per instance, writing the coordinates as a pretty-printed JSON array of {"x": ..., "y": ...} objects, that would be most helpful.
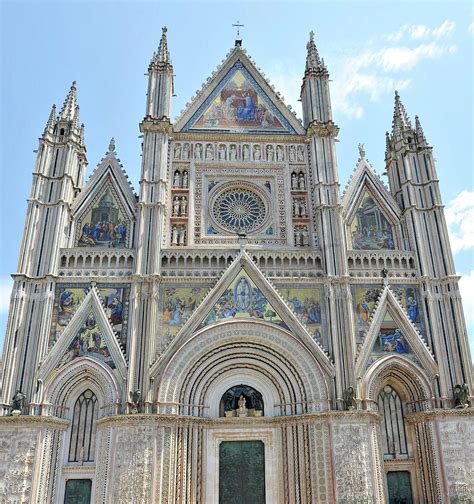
[{"x": 239, "y": 210}]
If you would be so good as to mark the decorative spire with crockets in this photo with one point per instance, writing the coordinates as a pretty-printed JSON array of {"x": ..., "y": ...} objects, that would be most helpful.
[
  {"x": 69, "y": 108},
  {"x": 401, "y": 121},
  {"x": 162, "y": 56},
  {"x": 51, "y": 120},
  {"x": 313, "y": 61}
]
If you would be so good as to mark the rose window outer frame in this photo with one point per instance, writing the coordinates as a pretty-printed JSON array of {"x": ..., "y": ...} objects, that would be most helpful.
[{"x": 246, "y": 188}]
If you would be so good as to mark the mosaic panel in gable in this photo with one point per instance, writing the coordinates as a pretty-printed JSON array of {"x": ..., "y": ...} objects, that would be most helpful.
[
  {"x": 242, "y": 300},
  {"x": 177, "y": 305},
  {"x": 370, "y": 229},
  {"x": 89, "y": 342},
  {"x": 68, "y": 298},
  {"x": 104, "y": 223},
  {"x": 307, "y": 305},
  {"x": 365, "y": 297},
  {"x": 229, "y": 201},
  {"x": 239, "y": 104}
]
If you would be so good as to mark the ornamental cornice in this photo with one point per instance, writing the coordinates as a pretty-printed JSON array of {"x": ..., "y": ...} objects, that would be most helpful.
[
  {"x": 434, "y": 414},
  {"x": 238, "y": 137},
  {"x": 160, "y": 419},
  {"x": 328, "y": 129},
  {"x": 30, "y": 421},
  {"x": 150, "y": 125}
]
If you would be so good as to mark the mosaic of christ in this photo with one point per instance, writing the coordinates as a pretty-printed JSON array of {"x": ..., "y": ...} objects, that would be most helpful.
[{"x": 238, "y": 106}]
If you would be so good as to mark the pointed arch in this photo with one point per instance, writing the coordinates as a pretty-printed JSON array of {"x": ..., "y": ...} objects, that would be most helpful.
[{"x": 388, "y": 304}]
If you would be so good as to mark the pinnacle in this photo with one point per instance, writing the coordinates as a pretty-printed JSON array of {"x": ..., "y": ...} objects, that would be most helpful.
[
  {"x": 68, "y": 110},
  {"x": 51, "y": 119},
  {"x": 313, "y": 61},
  {"x": 162, "y": 55},
  {"x": 401, "y": 120}
]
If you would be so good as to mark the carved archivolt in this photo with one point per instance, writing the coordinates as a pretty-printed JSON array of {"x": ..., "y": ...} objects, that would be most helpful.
[
  {"x": 63, "y": 387},
  {"x": 268, "y": 358}
]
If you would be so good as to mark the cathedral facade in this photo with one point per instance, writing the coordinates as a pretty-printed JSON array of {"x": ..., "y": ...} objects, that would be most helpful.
[{"x": 239, "y": 331}]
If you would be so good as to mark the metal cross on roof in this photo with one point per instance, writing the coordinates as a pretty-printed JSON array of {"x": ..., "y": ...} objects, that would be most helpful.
[{"x": 238, "y": 26}]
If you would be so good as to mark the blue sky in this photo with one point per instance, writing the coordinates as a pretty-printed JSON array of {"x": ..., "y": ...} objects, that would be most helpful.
[{"x": 423, "y": 49}]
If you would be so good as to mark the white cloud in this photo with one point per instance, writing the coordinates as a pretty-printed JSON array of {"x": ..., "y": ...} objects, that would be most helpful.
[
  {"x": 460, "y": 220},
  {"x": 466, "y": 286},
  {"x": 6, "y": 284},
  {"x": 421, "y": 31}
]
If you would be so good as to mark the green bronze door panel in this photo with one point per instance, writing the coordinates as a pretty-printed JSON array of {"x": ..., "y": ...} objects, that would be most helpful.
[
  {"x": 78, "y": 491},
  {"x": 399, "y": 487},
  {"x": 242, "y": 472}
]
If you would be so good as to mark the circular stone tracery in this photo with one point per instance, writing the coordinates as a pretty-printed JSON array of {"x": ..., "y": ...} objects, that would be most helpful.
[{"x": 239, "y": 210}]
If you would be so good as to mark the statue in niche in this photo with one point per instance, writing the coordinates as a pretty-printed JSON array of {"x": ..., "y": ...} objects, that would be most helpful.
[
  {"x": 177, "y": 151},
  {"x": 183, "y": 206},
  {"x": 176, "y": 206},
  {"x": 135, "y": 400},
  {"x": 279, "y": 153},
  {"x": 176, "y": 179},
  {"x": 186, "y": 151},
  {"x": 242, "y": 411},
  {"x": 181, "y": 236},
  {"x": 270, "y": 153},
  {"x": 461, "y": 396},
  {"x": 302, "y": 209},
  {"x": 222, "y": 153},
  {"x": 18, "y": 403},
  {"x": 348, "y": 396},
  {"x": 233, "y": 153},
  {"x": 295, "y": 208},
  {"x": 300, "y": 154},
  {"x": 246, "y": 152},
  {"x": 298, "y": 237},
  {"x": 198, "y": 151},
  {"x": 301, "y": 182},
  {"x": 185, "y": 179},
  {"x": 174, "y": 235},
  {"x": 294, "y": 181},
  {"x": 305, "y": 237},
  {"x": 209, "y": 155},
  {"x": 256, "y": 153},
  {"x": 292, "y": 153}
]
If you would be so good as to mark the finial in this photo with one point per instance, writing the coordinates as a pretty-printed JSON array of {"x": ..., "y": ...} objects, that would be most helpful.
[
  {"x": 51, "y": 119},
  {"x": 111, "y": 146},
  {"x": 361, "y": 151},
  {"x": 311, "y": 36},
  {"x": 238, "y": 26},
  {"x": 162, "y": 55},
  {"x": 313, "y": 62},
  {"x": 401, "y": 120}
]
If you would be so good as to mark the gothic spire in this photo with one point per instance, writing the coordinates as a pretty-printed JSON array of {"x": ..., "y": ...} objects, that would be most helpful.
[
  {"x": 401, "y": 121},
  {"x": 51, "y": 120},
  {"x": 75, "y": 118},
  {"x": 162, "y": 56},
  {"x": 313, "y": 61},
  {"x": 419, "y": 130},
  {"x": 69, "y": 107}
]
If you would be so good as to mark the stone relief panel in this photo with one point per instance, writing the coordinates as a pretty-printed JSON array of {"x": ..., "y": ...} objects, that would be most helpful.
[
  {"x": 457, "y": 447},
  {"x": 352, "y": 464},
  {"x": 17, "y": 455},
  {"x": 132, "y": 471}
]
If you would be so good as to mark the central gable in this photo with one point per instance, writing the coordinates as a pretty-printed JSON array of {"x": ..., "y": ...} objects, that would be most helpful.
[{"x": 238, "y": 99}]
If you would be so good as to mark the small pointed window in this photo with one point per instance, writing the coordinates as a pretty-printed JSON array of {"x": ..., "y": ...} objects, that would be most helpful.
[
  {"x": 394, "y": 441},
  {"x": 83, "y": 428}
]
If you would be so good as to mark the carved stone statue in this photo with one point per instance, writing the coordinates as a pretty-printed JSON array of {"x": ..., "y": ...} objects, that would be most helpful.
[
  {"x": 233, "y": 153},
  {"x": 348, "y": 397},
  {"x": 246, "y": 152},
  {"x": 300, "y": 154},
  {"x": 461, "y": 396},
  {"x": 222, "y": 152},
  {"x": 198, "y": 151},
  {"x": 209, "y": 155},
  {"x": 186, "y": 151},
  {"x": 270, "y": 153},
  {"x": 292, "y": 153},
  {"x": 185, "y": 179},
  {"x": 294, "y": 181},
  {"x": 177, "y": 151},
  {"x": 174, "y": 235},
  {"x": 135, "y": 400},
  {"x": 242, "y": 411},
  {"x": 301, "y": 182},
  {"x": 176, "y": 179},
  {"x": 256, "y": 153},
  {"x": 361, "y": 151},
  {"x": 18, "y": 403},
  {"x": 279, "y": 153},
  {"x": 183, "y": 206},
  {"x": 175, "y": 206}
]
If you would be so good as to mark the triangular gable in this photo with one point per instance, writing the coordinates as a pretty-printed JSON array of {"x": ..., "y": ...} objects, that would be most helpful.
[
  {"x": 238, "y": 99},
  {"x": 265, "y": 304},
  {"x": 88, "y": 334},
  {"x": 371, "y": 213},
  {"x": 104, "y": 211},
  {"x": 391, "y": 332}
]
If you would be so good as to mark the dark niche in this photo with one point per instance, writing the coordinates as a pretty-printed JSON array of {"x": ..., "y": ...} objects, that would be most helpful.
[{"x": 241, "y": 401}]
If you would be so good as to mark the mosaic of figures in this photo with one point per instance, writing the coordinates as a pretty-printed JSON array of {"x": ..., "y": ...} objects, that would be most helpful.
[
  {"x": 390, "y": 340},
  {"x": 69, "y": 298},
  {"x": 178, "y": 305},
  {"x": 239, "y": 104},
  {"x": 104, "y": 224},
  {"x": 236, "y": 152},
  {"x": 365, "y": 298},
  {"x": 242, "y": 300},
  {"x": 89, "y": 342},
  {"x": 306, "y": 303},
  {"x": 370, "y": 229}
]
